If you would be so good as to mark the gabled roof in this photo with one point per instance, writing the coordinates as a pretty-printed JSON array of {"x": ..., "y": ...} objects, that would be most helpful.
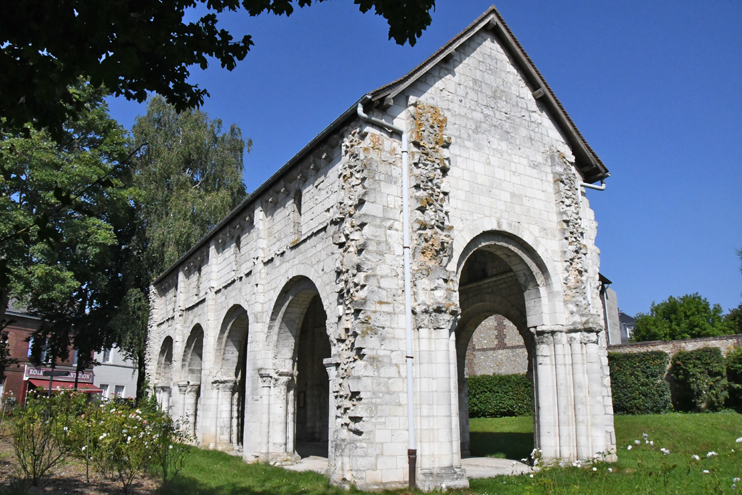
[{"x": 586, "y": 160}]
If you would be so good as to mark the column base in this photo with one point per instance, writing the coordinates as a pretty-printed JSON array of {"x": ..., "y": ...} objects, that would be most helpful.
[{"x": 442, "y": 479}]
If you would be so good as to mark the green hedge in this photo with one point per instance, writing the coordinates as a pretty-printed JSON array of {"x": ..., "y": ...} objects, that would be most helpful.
[
  {"x": 734, "y": 377},
  {"x": 699, "y": 380},
  {"x": 638, "y": 382},
  {"x": 496, "y": 396}
]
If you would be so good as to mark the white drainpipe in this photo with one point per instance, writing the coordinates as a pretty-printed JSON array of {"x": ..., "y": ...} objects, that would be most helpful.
[{"x": 412, "y": 452}]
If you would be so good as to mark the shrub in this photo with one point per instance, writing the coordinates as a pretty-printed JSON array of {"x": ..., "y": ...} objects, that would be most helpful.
[
  {"x": 638, "y": 382},
  {"x": 41, "y": 432},
  {"x": 699, "y": 380},
  {"x": 734, "y": 377},
  {"x": 495, "y": 396},
  {"x": 125, "y": 440}
]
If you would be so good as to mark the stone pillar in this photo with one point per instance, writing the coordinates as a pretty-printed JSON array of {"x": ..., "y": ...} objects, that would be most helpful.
[
  {"x": 190, "y": 405},
  {"x": 280, "y": 417},
  {"x": 331, "y": 365},
  {"x": 224, "y": 389},
  {"x": 266, "y": 381},
  {"x": 573, "y": 422},
  {"x": 182, "y": 387}
]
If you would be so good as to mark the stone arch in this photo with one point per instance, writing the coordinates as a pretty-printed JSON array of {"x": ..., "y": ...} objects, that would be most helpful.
[
  {"x": 500, "y": 274},
  {"x": 191, "y": 373},
  {"x": 528, "y": 246},
  {"x": 299, "y": 420},
  {"x": 164, "y": 374},
  {"x": 231, "y": 379},
  {"x": 292, "y": 275}
]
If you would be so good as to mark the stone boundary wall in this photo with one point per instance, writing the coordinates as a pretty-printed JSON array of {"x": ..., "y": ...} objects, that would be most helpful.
[{"x": 726, "y": 343}]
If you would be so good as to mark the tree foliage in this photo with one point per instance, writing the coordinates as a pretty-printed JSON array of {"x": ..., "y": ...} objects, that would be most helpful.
[
  {"x": 687, "y": 317},
  {"x": 65, "y": 222},
  {"x": 135, "y": 47},
  {"x": 188, "y": 176}
]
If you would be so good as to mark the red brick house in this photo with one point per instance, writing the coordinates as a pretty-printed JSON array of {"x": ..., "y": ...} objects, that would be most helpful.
[{"x": 23, "y": 375}]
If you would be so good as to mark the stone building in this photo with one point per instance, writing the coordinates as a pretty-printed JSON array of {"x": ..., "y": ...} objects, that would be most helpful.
[{"x": 331, "y": 310}]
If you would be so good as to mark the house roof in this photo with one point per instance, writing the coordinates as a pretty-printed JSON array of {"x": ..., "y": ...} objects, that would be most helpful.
[{"x": 586, "y": 160}]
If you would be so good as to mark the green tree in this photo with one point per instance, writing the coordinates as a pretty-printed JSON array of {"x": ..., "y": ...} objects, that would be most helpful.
[
  {"x": 734, "y": 317},
  {"x": 65, "y": 222},
  {"x": 687, "y": 317},
  {"x": 135, "y": 47},
  {"x": 188, "y": 175}
]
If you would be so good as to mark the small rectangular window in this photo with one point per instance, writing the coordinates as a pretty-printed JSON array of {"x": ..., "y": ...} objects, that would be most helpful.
[
  {"x": 104, "y": 387},
  {"x": 119, "y": 391},
  {"x": 107, "y": 356}
]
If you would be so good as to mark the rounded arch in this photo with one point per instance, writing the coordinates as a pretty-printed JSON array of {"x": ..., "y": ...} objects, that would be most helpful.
[
  {"x": 163, "y": 375},
  {"x": 532, "y": 273},
  {"x": 231, "y": 345},
  {"x": 286, "y": 319},
  {"x": 526, "y": 245},
  {"x": 193, "y": 356},
  {"x": 302, "y": 271}
]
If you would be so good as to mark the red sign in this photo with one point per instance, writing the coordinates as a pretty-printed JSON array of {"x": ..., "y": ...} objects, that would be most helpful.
[{"x": 60, "y": 374}]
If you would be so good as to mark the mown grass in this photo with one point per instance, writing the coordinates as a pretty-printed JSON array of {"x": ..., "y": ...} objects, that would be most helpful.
[{"x": 642, "y": 470}]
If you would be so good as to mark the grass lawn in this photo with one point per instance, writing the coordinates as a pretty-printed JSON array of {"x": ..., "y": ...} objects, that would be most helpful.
[{"x": 643, "y": 469}]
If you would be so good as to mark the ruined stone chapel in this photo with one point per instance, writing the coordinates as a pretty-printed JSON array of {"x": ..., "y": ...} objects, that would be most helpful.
[{"x": 330, "y": 311}]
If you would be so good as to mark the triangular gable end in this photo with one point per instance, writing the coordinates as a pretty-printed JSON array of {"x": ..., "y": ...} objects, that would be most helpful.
[{"x": 586, "y": 160}]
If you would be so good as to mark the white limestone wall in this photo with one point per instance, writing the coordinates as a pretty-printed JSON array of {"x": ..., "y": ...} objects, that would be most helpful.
[
  {"x": 505, "y": 153},
  {"x": 510, "y": 173}
]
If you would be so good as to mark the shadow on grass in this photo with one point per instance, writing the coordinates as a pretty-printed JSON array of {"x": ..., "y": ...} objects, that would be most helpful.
[{"x": 502, "y": 445}]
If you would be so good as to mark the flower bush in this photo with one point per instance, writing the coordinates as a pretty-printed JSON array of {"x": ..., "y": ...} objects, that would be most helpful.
[
  {"x": 41, "y": 432},
  {"x": 117, "y": 438}
]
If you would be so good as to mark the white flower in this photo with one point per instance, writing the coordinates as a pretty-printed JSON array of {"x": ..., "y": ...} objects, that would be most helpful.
[
  {"x": 531, "y": 476},
  {"x": 610, "y": 470},
  {"x": 739, "y": 440},
  {"x": 102, "y": 436},
  {"x": 637, "y": 442},
  {"x": 711, "y": 454},
  {"x": 170, "y": 447},
  {"x": 735, "y": 480},
  {"x": 628, "y": 448},
  {"x": 705, "y": 471},
  {"x": 595, "y": 469},
  {"x": 651, "y": 442},
  {"x": 695, "y": 457}
]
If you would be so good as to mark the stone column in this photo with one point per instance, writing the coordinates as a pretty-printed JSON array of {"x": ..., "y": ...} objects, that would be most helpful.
[
  {"x": 182, "y": 387},
  {"x": 280, "y": 417},
  {"x": 191, "y": 407},
  {"x": 331, "y": 365},
  {"x": 224, "y": 389},
  {"x": 266, "y": 381}
]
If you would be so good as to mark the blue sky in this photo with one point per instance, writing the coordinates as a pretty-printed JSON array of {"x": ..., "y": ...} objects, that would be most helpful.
[{"x": 655, "y": 88}]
